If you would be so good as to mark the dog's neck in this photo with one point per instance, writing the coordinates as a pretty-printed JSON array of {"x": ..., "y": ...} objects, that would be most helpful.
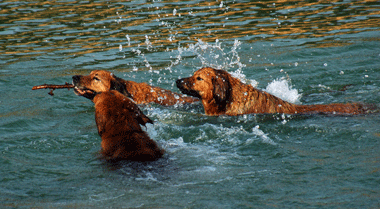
[{"x": 212, "y": 108}]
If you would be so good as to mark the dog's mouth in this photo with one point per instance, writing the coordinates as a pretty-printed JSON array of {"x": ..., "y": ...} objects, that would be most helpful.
[
  {"x": 190, "y": 93},
  {"x": 181, "y": 86},
  {"x": 84, "y": 92}
]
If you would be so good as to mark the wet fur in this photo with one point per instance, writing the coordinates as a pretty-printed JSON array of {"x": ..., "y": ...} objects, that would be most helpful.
[
  {"x": 118, "y": 120},
  {"x": 141, "y": 93},
  {"x": 222, "y": 94}
]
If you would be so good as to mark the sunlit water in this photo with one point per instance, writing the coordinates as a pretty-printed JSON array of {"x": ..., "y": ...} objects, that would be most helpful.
[{"x": 314, "y": 52}]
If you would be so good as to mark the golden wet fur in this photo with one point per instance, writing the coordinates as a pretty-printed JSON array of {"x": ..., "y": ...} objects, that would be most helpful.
[
  {"x": 118, "y": 120},
  {"x": 222, "y": 94}
]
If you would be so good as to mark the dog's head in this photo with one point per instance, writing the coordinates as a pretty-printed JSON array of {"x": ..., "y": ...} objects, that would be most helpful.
[
  {"x": 98, "y": 81},
  {"x": 207, "y": 84}
]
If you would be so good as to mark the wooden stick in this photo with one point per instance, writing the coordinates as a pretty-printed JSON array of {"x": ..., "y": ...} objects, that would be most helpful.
[{"x": 53, "y": 87}]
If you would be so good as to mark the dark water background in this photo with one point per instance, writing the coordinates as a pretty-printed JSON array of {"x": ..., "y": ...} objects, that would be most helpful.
[{"x": 307, "y": 51}]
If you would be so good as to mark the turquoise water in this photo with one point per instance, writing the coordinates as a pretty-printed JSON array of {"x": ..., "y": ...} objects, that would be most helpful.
[{"x": 314, "y": 52}]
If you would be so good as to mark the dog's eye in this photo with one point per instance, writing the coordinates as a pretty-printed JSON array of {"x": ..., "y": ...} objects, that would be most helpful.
[
  {"x": 199, "y": 79},
  {"x": 96, "y": 79}
]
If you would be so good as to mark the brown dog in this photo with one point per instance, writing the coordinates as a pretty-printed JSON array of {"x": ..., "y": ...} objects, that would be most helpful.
[
  {"x": 222, "y": 94},
  {"x": 118, "y": 120},
  {"x": 141, "y": 93}
]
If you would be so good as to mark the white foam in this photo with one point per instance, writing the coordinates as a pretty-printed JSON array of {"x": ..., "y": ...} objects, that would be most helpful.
[
  {"x": 177, "y": 142},
  {"x": 282, "y": 89},
  {"x": 256, "y": 130}
]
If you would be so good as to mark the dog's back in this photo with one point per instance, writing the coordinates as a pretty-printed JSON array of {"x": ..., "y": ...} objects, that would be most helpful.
[{"x": 118, "y": 120}]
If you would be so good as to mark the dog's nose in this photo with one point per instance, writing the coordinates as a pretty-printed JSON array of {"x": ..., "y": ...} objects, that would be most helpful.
[
  {"x": 180, "y": 82},
  {"x": 76, "y": 78}
]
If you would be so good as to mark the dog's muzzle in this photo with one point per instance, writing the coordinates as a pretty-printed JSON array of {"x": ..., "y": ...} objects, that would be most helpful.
[
  {"x": 183, "y": 86},
  {"x": 80, "y": 90}
]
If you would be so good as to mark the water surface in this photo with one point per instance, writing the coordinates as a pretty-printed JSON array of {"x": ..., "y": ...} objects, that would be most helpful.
[{"x": 309, "y": 52}]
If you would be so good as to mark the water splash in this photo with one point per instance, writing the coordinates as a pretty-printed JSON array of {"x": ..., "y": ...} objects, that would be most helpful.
[
  {"x": 265, "y": 139},
  {"x": 218, "y": 56},
  {"x": 215, "y": 55},
  {"x": 282, "y": 89},
  {"x": 128, "y": 39},
  {"x": 148, "y": 43}
]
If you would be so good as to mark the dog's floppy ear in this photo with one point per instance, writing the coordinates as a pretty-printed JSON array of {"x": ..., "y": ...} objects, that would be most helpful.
[
  {"x": 118, "y": 85},
  {"x": 222, "y": 87}
]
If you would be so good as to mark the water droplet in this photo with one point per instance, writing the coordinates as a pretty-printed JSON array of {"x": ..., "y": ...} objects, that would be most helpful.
[{"x": 129, "y": 40}]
